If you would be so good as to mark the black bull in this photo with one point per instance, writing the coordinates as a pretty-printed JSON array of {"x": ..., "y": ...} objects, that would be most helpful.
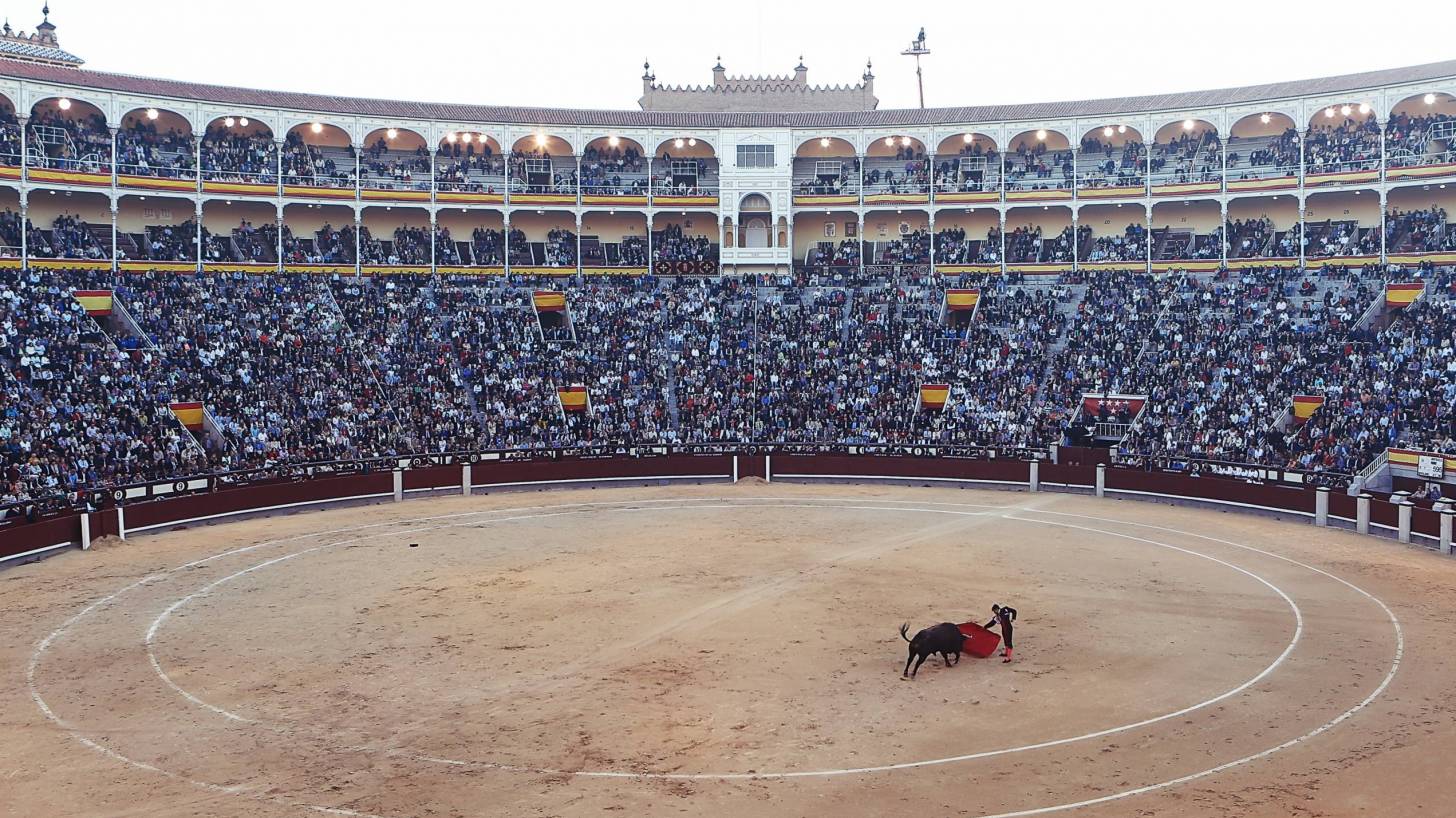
[{"x": 945, "y": 639}]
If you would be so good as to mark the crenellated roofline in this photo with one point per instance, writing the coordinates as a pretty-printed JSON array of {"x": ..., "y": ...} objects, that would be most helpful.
[{"x": 162, "y": 89}]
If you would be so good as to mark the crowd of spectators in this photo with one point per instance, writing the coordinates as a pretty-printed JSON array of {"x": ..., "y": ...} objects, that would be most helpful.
[
  {"x": 81, "y": 143},
  {"x": 1349, "y": 145},
  {"x": 297, "y": 368},
  {"x": 613, "y": 171},
  {"x": 1129, "y": 245},
  {"x": 142, "y": 150},
  {"x": 1418, "y": 231},
  {"x": 672, "y": 244},
  {"x": 1280, "y": 154},
  {"x": 383, "y": 168},
  {"x": 1187, "y": 159},
  {"x": 1106, "y": 165},
  {"x": 1419, "y": 140},
  {"x": 232, "y": 157}
]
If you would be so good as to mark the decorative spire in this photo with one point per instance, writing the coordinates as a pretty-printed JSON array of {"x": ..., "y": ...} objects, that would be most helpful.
[
  {"x": 800, "y": 66},
  {"x": 45, "y": 12},
  {"x": 647, "y": 70},
  {"x": 718, "y": 65},
  {"x": 869, "y": 73}
]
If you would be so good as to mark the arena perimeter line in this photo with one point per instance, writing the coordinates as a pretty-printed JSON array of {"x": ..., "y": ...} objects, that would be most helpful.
[
  {"x": 694, "y": 505},
  {"x": 86, "y": 741}
]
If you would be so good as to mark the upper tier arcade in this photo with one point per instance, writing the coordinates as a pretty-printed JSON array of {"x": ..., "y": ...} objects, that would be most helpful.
[{"x": 1347, "y": 169}]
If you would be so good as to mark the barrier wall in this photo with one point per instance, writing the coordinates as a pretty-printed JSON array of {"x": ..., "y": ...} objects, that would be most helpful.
[{"x": 227, "y": 498}]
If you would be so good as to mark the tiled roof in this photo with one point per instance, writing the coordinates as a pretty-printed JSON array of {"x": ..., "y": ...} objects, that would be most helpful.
[
  {"x": 397, "y": 109},
  {"x": 39, "y": 52}
]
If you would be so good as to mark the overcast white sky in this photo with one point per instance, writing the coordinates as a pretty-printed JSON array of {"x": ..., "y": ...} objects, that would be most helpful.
[{"x": 589, "y": 54}]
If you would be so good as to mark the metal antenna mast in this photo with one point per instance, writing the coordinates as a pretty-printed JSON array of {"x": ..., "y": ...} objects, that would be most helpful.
[{"x": 917, "y": 49}]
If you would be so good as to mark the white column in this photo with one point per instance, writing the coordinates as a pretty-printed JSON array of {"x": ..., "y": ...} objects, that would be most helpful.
[
  {"x": 120, "y": 523},
  {"x": 1446, "y": 515},
  {"x": 85, "y": 532},
  {"x": 1362, "y": 514},
  {"x": 398, "y": 485},
  {"x": 114, "y": 206},
  {"x": 1404, "y": 509},
  {"x": 1033, "y": 479},
  {"x": 434, "y": 227},
  {"x": 506, "y": 238},
  {"x": 1322, "y": 506},
  {"x": 196, "y": 234},
  {"x": 278, "y": 236},
  {"x": 1101, "y": 490},
  {"x": 465, "y": 479},
  {"x": 930, "y": 225},
  {"x": 768, "y": 468}
]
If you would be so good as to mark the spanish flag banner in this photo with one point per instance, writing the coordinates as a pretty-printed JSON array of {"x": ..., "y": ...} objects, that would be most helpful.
[
  {"x": 1403, "y": 294},
  {"x": 1304, "y": 406},
  {"x": 95, "y": 302},
  {"x": 933, "y": 396},
  {"x": 573, "y": 398},
  {"x": 189, "y": 414},
  {"x": 962, "y": 300},
  {"x": 549, "y": 301}
]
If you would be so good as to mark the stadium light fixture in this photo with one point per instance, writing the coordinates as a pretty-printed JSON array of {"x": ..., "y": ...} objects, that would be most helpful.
[
  {"x": 890, "y": 141},
  {"x": 1187, "y": 124},
  {"x": 391, "y": 133},
  {"x": 679, "y": 142},
  {"x": 692, "y": 143},
  {"x": 823, "y": 141},
  {"x": 1430, "y": 99},
  {"x": 1107, "y": 131},
  {"x": 317, "y": 127},
  {"x": 1364, "y": 108},
  {"x": 450, "y": 137},
  {"x": 243, "y": 122},
  {"x": 969, "y": 138},
  {"x": 1264, "y": 118},
  {"x": 65, "y": 104},
  {"x": 904, "y": 141},
  {"x": 467, "y": 137},
  {"x": 1122, "y": 129},
  {"x": 540, "y": 139},
  {"x": 1041, "y": 135},
  {"x": 228, "y": 122},
  {"x": 1344, "y": 110},
  {"x": 1329, "y": 113},
  {"x": 614, "y": 140},
  {"x": 152, "y": 113}
]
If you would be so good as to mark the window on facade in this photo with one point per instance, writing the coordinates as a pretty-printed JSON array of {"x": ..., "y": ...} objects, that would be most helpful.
[{"x": 755, "y": 156}]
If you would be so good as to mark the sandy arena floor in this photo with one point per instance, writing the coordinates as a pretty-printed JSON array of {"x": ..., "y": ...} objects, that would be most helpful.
[{"x": 722, "y": 650}]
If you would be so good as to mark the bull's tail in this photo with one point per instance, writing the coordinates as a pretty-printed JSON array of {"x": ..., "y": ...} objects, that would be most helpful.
[{"x": 903, "y": 630}]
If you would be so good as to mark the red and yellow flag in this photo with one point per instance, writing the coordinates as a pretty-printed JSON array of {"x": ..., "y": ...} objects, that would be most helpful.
[
  {"x": 1398, "y": 295},
  {"x": 573, "y": 398},
  {"x": 962, "y": 300},
  {"x": 934, "y": 395},
  {"x": 189, "y": 414},
  {"x": 95, "y": 302},
  {"x": 1305, "y": 406},
  {"x": 549, "y": 301}
]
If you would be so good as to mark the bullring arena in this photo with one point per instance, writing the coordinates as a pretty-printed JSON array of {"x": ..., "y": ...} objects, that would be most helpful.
[
  {"x": 386, "y": 458},
  {"x": 728, "y": 649}
]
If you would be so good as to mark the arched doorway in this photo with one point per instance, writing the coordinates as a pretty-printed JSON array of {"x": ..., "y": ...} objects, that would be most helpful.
[{"x": 755, "y": 218}]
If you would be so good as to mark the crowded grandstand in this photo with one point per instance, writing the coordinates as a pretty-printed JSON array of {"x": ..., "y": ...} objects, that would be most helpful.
[{"x": 1252, "y": 276}]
